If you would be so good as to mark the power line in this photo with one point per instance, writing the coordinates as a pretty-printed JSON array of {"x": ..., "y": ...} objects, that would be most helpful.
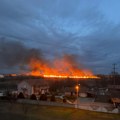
[{"x": 114, "y": 73}]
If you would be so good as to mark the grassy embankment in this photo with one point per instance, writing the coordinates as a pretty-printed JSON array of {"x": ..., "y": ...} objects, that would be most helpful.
[{"x": 10, "y": 111}]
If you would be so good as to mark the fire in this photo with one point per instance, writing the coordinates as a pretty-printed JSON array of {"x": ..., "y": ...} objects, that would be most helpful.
[{"x": 64, "y": 67}]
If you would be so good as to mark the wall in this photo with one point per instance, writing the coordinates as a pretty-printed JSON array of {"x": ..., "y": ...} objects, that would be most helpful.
[
  {"x": 48, "y": 103},
  {"x": 25, "y": 85}
]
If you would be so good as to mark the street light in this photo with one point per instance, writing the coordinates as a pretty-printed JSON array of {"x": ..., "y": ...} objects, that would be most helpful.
[{"x": 77, "y": 91}]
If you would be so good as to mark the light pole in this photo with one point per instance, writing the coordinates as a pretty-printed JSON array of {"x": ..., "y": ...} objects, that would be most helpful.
[{"x": 77, "y": 91}]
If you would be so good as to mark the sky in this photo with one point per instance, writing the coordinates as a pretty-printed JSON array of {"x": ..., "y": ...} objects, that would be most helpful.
[{"x": 89, "y": 30}]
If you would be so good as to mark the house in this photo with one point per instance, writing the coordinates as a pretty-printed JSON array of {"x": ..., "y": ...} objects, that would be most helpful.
[
  {"x": 114, "y": 91},
  {"x": 8, "y": 86},
  {"x": 33, "y": 86}
]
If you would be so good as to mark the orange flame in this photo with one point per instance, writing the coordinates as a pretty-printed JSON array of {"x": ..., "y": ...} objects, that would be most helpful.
[{"x": 59, "y": 68}]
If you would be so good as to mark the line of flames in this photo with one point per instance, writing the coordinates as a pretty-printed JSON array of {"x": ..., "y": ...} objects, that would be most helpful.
[
  {"x": 60, "y": 76},
  {"x": 64, "y": 76},
  {"x": 65, "y": 67}
]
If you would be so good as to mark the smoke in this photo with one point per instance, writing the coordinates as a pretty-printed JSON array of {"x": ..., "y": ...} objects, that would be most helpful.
[{"x": 15, "y": 54}]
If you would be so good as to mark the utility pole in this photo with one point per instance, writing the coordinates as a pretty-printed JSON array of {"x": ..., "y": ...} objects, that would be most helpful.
[{"x": 114, "y": 72}]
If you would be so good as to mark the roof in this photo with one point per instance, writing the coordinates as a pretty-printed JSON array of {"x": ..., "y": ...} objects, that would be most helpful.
[
  {"x": 8, "y": 85},
  {"x": 114, "y": 86},
  {"x": 70, "y": 89},
  {"x": 36, "y": 82},
  {"x": 115, "y": 94}
]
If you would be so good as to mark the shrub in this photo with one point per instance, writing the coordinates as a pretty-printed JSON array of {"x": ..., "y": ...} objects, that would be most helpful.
[
  {"x": 43, "y": 97},
  {"x": 33, "y": 97},
  {"x": 20, "y": 96},
  {"x": 53, "y": 98},
  {"x": 64, "y": 100}
]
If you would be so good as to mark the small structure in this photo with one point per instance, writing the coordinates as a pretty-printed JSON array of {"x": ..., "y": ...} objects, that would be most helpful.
[
  {"x": 116, "y": 102},
  {"x": 33, "y": 86}
]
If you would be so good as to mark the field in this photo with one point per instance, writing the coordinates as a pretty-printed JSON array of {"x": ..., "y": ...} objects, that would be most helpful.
[{"x": 12, "y": 111}]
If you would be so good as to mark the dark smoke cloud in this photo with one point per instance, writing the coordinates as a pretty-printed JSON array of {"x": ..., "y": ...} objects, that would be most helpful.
[{"x": 15, "y": 54}]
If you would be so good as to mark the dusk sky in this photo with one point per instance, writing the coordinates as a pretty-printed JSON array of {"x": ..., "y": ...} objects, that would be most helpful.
[{"x": 86, "y": 29}]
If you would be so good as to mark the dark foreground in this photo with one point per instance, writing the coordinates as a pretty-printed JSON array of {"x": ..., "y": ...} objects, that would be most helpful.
[{"x": 14, "y": 111}]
